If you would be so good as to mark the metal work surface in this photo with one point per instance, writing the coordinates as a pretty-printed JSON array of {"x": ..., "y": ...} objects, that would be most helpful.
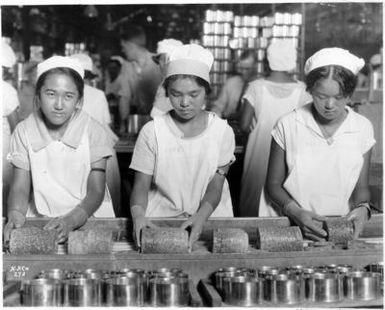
[{"x": 200, "y": 262}]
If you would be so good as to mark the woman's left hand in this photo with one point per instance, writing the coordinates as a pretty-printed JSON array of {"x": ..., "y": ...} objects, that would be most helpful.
[
  {"x": 196, "y": 222},
  {"x": 61, "y": 226},
  {"x": 359, "y": 216},
  {"x": 68, "y": 222}
]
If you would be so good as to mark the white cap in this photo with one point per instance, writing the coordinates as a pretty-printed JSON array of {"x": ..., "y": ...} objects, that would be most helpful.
[
  {"x": 119, "y": 59},
  {"x": 85, "y": 60},
  {"x": 60, "y": 62},
  {"x": 166, "y": 46},
  {"x": 190, "y": 59},
  {"x": 375, "y": 60},
  {"x": 334, "y": 56},
  {"x": 8, "y": 57},
  {"x": 282, "y": 55}
]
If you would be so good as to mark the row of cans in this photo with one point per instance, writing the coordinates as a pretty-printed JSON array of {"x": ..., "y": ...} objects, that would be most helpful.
[
  {"x": 283, "y": 18},
  {"x": 215, "y": 40},
  {"x": 249, "y": 42},
  {"x": 222, "y": 66},
  {"x": 217, "y": 29},
  {"x": 219, "y": 16},
  {"x": 223, "y": 53}
]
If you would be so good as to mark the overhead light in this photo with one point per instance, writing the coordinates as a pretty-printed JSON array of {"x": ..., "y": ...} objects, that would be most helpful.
[{"x": 90, "y": 11}]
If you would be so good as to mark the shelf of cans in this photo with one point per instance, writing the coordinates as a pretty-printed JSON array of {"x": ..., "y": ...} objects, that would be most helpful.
[
  {"x": 227, "y": 36},
  {"x": 74, "y": 48},
  {"x": 298, "y": 284},
  {"x": 164, "y": 287}
]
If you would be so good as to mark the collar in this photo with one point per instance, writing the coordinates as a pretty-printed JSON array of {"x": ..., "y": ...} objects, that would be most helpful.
[
  {"x": 38, "y": 133},
  {"x": 304, "y": 116}
]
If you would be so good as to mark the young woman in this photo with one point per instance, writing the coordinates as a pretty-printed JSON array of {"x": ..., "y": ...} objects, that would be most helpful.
[
  {"x": 181, "y": 158},
  {"x": 264, "y": 102},
  {"x": 320, "y": 153},
  {"x": 60, "y": 152}
]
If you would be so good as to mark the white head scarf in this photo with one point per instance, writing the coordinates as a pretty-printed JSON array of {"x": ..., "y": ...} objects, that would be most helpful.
[
  {"x": 8, "y": 57},
  {"x": 282, "y": 55},
  {"x": 190, "y": 59},
  {"x": 334, "y": 56},
  {"x": 166, "y": 46},
  {"x": 57, "y": 62},
  {"x": 85, "y": 60}
]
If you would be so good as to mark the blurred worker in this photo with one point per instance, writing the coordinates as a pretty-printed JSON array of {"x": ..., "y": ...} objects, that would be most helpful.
[
  {"x": 26, "y": 91},
  {"x": 9, "y": 116},
  {"x": 227, "y": 105},
  {"x": 95, "y": 104},
  {"x": 147, "y": 76},
  {"x": 118, "y": 90},
  {"x": 162, "y": 103},
  {"x": 265, "y": 101},
  {"x": 94, "y": 101}
]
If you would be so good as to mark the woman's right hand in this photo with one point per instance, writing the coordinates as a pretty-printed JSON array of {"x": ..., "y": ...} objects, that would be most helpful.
[
  {"x": 16, "y": 219},
  {"x": 139, "y": 222},
  {"x": 306, "y": 221}
]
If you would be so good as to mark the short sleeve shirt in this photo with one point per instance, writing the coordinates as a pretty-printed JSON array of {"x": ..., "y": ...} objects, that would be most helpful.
[
  {"x": 145, "y": 152},
  {"x": 33, "y": 129}
]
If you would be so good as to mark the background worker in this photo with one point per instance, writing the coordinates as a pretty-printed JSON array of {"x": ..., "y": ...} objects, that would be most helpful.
[
  {"x": 228, "y": 103},
  {"x": 144, "y": 75},
  {"x": 264, "y": 102},
  {"x": 162, "y": 103},
  {"x": 95, "y": 104}
]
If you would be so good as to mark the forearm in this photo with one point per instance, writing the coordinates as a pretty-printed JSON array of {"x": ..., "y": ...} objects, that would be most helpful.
[
  {"x": 212, "y": 197},
  {"x": 278, "y": 195},
  {"x": 18, "y": 200},
  {"x": 361, "y": 194}
]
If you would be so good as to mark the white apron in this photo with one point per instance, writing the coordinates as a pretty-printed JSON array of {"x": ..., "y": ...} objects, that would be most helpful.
[
  {"x": 320, "y": 177},
  {"x": 258, "y": 148},
  {"x": 59, "y": 178},
  {"x": 183, "y": 169}
]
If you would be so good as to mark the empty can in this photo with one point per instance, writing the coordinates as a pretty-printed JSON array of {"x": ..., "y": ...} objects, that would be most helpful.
[
  {"x": 323, "y": 287},
  {"x": 83, "y": 292},
  {"x": 41, "y": 293},
  {"x": 125, "y": 291},
  {"x": 360, "y": 285},
  {"x": 243, "y": 291},
  {"x": 169, "y": 292}
]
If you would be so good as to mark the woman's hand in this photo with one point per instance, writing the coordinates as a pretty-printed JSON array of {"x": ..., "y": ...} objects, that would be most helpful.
[
  {"x": 305, "y": 220},
  {"x": 68, "y": 222},
  {"x": 359, "y": 216},
  {"x": 196, "y": 222},
  {"x": 139, "y": 222},
  {"x": 16, "y": 219}
]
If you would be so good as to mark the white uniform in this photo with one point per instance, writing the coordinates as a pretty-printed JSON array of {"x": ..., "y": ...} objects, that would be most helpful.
[
  {"x": 96, "y": 105},
  {"x": 322, "y": 173},
  {"x": 10, "y": 102},
  {"x": 59, "y": 168},
  {"x": 270, "y": 100},
  {"x": 183, "y": 167}
]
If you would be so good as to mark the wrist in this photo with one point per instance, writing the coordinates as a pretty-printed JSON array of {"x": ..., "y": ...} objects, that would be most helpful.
[
  {"x": 205, "y": 209},
  {"x": 288, "y": 207},
  {"x": 365, "y": 205},
  {"x": 76, "y": 218},
  {"x": 137, "y": 211}
]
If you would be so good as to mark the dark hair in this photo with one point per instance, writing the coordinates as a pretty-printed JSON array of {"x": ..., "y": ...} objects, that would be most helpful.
[
  {"x": 344, "y": 77},
  {"x": 131, "y": 32},
  {"x": 248, "y": 54},
  {"x": 79, "y": 82},
  {"x": 201, "y": 82}
]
